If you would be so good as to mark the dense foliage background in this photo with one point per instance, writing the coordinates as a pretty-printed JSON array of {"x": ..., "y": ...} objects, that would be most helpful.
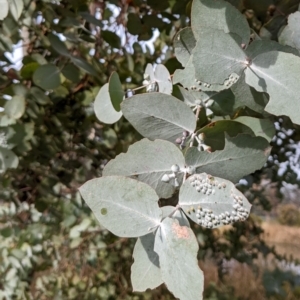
[{"x": 51, "y": 247}]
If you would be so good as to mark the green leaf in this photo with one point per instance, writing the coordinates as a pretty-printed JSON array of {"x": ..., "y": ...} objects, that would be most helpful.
[
  {"x": 91, "y": 19},
  {"x": 28, "y": 70},
  {"x": 47, "y": 77},
  {"x": 261, "y": 127},
  {"x": 163, "y": 79},
  {"x": 15, "y": 107},
  {"x": 40, "y": 59},
  {"x": 217, "y": 56},
  {"x": 126, "y": 207},
  {"x": 222, "y": 102},
  {"x": 261, "y": 46},
  {"x": 160, "y": 77},
  {"x": 290, "y": 35},
  {"x": 58, "y": 45},
  {"x": 277, "y": 73},
  {"x": 148, "y": 161},
  {"x": 8, "y": 160},
  {"x": 71, "y": 72},
  {"x": 104, "y": 109},
  {"x": 152, "y": 21},
  {"x": 5, "y": 120},
  {"x": 212, "y": 201},
  {"x": 110, "y": 139},
  {"x": 22, "y": 132},
  {"x": 145, "y": 271},
  {"x": 111, "y": 38},
  {"x": 184, "y": 43},
  {"x": 219, "y": 15},
  {"x": 84, "y": 65},
  {"x": 39, "y": 96},
  {"x": 115, "y": 91},
  {"x": 16, "y": 7},
  {"x": 177, "y": 248},
  {"x": 215, "y": 132},
  {"x": 4, "y": 9},
  {"x": 186, "y": 77},
  {"x": 246, "y": 95},
  {"x": 134, "y": 24},
  {"x": 158, "y": 4},
  {"x": 242, "y": 155},
  {"x": 159, "y": 116}
]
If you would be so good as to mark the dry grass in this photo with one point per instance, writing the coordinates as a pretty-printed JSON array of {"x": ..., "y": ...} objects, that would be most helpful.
[
  {"x": 246, "y": 283},
  {"x": 285, "y": 239}
]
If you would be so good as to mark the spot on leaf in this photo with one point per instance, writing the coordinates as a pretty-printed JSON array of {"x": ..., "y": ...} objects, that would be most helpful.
[
  {"x": 103, "y": 211},
  {"x": 180, "y": 231}
]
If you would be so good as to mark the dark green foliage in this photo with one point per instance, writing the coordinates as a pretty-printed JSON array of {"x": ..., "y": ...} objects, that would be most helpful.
[{"x": 51, "y": 246}]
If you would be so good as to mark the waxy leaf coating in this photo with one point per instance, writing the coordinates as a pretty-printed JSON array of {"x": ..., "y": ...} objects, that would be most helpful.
[
  {"x": 184, "y": 43},
  {"x": 148, "y": 161},
  {"x": 220, "y": 15},
  {"x": 103, "y": 107},
  {"x": 145, "y": 271},
  {"x": 277, "y": 73},
  {"x": 241, "y": 156},
  {"x": 214, "y": 133},
  {"x": 126, "y": 207},
  {"x": 212, "y": 201},
  {"x": 216, "y": 56},
  {"x": 177, "y": 248},
  {"x": 159, "y": 116}
]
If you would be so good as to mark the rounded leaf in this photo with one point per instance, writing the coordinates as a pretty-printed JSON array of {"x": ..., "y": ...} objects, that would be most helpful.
[
  {"x": 115, "y": 91},
  {"x": 4, "y": 9},
  {"x": 177, "y": 248},
  {"x": 15, "y": 107},
  {"x": 219, "y": 15},
  {"x": 148, "y": 162},
  {"x": 184, "y": 43},
  {"x": 212, "y": 201},
  {"x": 8, "y": 160},
  {"x": 103, "y": 107},
  {"x": 214, "y": 133},
  {"x": 163, "y": 79},
  {"x": 159, "y": 116},
  {"x": 84, "y": 65},
  {"x": 58, "y": 45},
  {"x": 145, "y": 271},
  {"x": 134, "y": 24},
  {"x": 16, "y": 8},
  {"x": 47, "y": 77},
  {"x": 126, "y": 207},
  {"x": 216, "y": 56},
  {"x": 277, "y": 73},
  {"x": 241, "y": 156}
]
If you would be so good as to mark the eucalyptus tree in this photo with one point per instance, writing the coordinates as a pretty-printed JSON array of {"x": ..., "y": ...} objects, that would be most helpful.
[
  {"x": 187, "y": 147},
  {"x": 206, "y": 125}
]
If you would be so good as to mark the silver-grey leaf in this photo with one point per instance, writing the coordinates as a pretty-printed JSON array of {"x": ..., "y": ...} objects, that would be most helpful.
[
  {"x": 212, "y": 201},
  {"x": 126, "y": 207},
  {"x": 145, "y": 271},
  {"x": 177, "y": 248},
  {"x": 159, "y": 116},
  {"x": 148, "y": 161},
  {"x": 277, "y": 73}
]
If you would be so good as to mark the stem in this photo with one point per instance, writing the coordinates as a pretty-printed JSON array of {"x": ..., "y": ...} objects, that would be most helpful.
[
  {"x": 184, "y": 177},
  {"x": 198, "y": 112},
  {"x": 143, "y": 86},
  {"x": 172, "y": 213}
]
